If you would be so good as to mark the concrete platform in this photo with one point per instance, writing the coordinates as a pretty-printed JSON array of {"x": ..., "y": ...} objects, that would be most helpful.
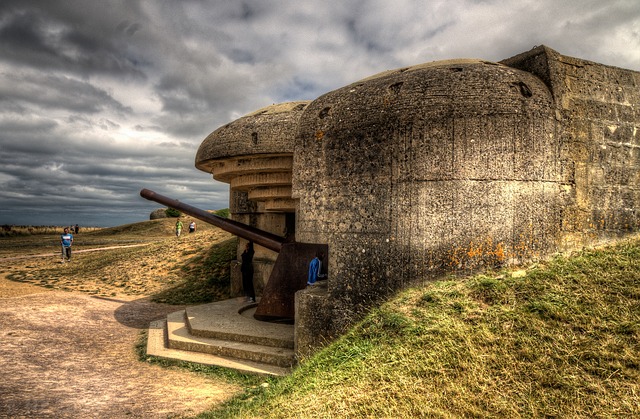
[{"x": 224, "y": 334}]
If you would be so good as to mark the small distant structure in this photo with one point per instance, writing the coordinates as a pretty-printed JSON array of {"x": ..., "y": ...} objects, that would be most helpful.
[
  {"x": 439, "y": 167},
  {"x": 158, "y": 214}
]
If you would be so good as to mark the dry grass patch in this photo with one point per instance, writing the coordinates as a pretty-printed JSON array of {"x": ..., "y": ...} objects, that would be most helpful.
[{"x": 178, "y": 270}]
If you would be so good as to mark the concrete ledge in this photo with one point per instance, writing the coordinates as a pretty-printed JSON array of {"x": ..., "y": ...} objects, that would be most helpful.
[{"x": 233, "y": 320}]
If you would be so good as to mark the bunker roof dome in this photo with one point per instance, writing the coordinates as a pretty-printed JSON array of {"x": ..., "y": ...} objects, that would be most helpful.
[
  {"x": 449, "y": 89},
  {"x": 270, "y": 130}
]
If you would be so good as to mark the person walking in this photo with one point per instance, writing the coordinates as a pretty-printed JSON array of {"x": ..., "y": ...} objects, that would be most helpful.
[
  {"x": 66, "y": 239},
  {"x": 192, "y": 227},
  {"x": 178, "y": 227},
  {"x": 246, "y": 267}
]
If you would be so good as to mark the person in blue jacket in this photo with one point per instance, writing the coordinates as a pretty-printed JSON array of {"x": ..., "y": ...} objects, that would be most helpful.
[
  {"x": 66, "y": 239},
  {"x": 315, "y": 269}
]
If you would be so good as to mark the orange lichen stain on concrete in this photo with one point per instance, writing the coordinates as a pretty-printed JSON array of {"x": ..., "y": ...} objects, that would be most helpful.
[
  {"x": 499, "y": 252},
  {"x": 489, "y": 253},
  {"x": 455, "y": 258},
  {"x": 485, "y": 253}
]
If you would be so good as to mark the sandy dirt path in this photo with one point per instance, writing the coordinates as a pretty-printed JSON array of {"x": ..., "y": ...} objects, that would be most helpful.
[
  {"x": 50, "y": 254},
  {"x": 70, "y": 355}
]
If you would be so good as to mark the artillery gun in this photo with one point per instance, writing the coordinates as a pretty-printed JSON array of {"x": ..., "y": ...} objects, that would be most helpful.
[{"x": 289, "y": 273}]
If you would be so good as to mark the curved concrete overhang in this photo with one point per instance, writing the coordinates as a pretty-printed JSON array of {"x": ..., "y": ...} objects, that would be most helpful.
[
  {"x": 402, "y": 100},
  {"x": 440, "y": 89},
  {"x": 254, "y": 154}
]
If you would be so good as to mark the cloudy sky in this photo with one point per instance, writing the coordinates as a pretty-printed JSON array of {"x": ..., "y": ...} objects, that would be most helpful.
[{"x": 99, "y": 99}]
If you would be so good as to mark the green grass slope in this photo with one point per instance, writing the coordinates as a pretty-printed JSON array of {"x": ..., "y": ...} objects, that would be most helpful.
[{"x": 560, "y": 341}]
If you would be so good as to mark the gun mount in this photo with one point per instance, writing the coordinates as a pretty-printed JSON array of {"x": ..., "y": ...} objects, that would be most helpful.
[{"x": 289, "y": 273}]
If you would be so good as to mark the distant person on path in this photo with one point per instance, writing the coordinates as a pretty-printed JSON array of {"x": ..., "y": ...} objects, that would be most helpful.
[
  {"x": 76, "y": 229},
  {"x": 66, "y": 239},
  {"x": 247, "y": 273},
  {"x": 192, "y": 227},
  {"x": 178, "y": 227},
  {"x": 315, "y": 269}
]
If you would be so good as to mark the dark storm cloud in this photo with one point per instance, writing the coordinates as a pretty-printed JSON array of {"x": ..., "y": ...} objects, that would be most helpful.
[
  {"x": 99, "y": 99},
  {"x": 47, "y": 34},
  {"x": 58, "y": 92}
]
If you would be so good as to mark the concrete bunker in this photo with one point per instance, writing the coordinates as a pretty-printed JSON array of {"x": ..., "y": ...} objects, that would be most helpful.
[{"x": 438, "y": 167}]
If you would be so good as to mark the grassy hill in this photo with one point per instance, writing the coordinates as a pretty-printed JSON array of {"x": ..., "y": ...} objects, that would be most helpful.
[
  {"x": 561, "y": 339},
  {"x": 557, "y": 339}
]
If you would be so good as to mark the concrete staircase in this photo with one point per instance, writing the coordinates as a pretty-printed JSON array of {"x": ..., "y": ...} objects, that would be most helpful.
[{"x": 224, "y": 334}]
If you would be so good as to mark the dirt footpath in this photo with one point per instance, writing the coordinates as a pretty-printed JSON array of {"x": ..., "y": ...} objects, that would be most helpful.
[{"x": 70, "y": 355}]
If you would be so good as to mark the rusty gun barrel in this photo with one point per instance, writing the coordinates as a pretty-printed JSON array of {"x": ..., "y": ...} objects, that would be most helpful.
[{"x": 260, "y": 237}]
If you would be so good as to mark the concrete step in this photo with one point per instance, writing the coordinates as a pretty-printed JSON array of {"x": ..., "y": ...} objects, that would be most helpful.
[
  {"x": 233, "y": 320},
  {"x": 157, "y": 346},
  {"x": 180, "y": 337},
  {"x": 224, "y": 333}
]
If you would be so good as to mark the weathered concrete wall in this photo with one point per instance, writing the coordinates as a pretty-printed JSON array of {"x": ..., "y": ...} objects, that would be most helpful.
[
  {"x": 243, "y": 210},
  {"x": 420, "y": 170},
  {"x": 459, "y": 164},
  {"x": 597, "y": 107}
]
